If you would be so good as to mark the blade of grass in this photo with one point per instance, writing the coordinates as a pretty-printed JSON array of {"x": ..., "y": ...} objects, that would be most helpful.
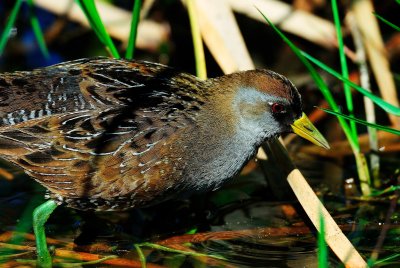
[
  {"x": 322, "y": 248},
  {"x": 388, "y": 258},
  {"x": 130, "y": 50},
  {"x": 376, "y": 52},
  {"x": 201, "y": 70},
  {"x": 86, "y": 8},
  {"x": 37, "y": 30},
  {"x": 363, "y": 122},
  {"x": 377, "y": 100},
  {"x": 389, "y": 189},
  {"x": 343, "y": 63},
  {"x": 397, "y": 28},
  {"x": 89, "y": 9},
  {"x": 368, "y": 104},
  {"x": 10, "y": 23}
]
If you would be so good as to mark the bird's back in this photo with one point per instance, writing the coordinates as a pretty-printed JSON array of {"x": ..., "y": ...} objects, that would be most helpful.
[{"x": 31, "y": 95}]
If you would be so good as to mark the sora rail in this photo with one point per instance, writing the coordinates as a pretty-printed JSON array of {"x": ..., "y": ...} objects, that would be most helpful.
[{"x": 107, "y": 134}]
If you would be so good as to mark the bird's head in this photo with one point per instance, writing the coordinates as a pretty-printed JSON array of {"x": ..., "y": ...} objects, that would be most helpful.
[{"x": 267, "y": 104}]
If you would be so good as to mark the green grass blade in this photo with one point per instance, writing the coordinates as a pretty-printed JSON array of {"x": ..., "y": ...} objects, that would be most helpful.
[
  {"x": 322, "y": 248},
  {"x": 37, "y": 30},
  {"x": 363, "y": 122},
  {"x": 392, "y": 257},
  {"x": 201, "y": 69},
  {"x": 86, "y": 7},
  {"x": 39, "y": 37},
  {"x": 319, "y": 81},
  {"x": 89, "y": 9},
  {"x": 378, "y": 101},
  {"x": 192, "y": 231},
  {"x": 130, "y": 49},
  {"x": 388, "y": 190},
  {"x": 9, "y": 24},
  {"x": 343, "y": 64},
  {"x": 397, "y": 28}
]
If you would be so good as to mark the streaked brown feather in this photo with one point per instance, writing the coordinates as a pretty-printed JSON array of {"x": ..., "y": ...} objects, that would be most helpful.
[{"x": 100, "y": 135}]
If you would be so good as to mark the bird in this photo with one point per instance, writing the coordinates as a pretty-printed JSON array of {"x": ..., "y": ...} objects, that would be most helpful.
[{"x": 107, "y": 134}]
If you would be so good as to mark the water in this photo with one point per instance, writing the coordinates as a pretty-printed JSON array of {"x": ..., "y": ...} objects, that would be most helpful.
[{"x": 241, "y": 222}]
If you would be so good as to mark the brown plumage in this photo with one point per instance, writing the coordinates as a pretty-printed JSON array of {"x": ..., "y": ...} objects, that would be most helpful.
[{"x": 106, "y": 134}]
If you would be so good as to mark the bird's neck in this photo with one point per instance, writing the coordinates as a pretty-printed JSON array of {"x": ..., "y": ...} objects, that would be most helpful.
[{"x": 218, "y": 153}]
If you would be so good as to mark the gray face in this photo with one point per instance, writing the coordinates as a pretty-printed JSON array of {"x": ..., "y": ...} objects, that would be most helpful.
[{"x": 262, "y": 115}]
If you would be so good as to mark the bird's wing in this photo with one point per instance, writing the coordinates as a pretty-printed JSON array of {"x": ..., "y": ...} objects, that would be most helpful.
[
  {"x": 116, "y": 141},
  {"x": 97, "y": 83}
]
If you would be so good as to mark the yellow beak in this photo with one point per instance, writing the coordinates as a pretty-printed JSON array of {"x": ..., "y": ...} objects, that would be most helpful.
[{"x": 304, "y": 128}]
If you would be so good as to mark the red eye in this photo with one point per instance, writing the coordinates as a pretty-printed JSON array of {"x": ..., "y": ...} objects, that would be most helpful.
[{"x": 277, "y": 108}]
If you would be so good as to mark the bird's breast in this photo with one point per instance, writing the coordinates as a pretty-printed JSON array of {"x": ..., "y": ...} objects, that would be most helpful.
[{"x": 217, "y": 162}]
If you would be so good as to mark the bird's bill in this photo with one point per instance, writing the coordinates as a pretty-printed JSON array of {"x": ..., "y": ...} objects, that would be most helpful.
[{"x": 305, "y": 129}]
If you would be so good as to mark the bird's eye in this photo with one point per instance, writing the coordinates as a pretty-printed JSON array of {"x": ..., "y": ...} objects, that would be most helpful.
[{"x": 277, "y": 108}]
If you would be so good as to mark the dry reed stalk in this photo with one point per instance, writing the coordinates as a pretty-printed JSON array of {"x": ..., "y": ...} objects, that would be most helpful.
[
  {"x": 221, "y": 34},
  {"x": 304, "y": 24},
  {"x": 369, "y": 105},
  {"x": 369, "y": 28},
  {"x": 116, "y": 20}
]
